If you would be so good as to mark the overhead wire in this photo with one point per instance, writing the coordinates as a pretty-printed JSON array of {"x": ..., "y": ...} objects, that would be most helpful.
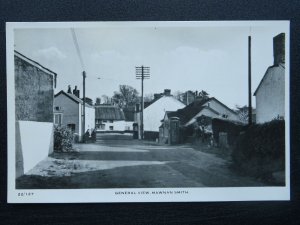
[{"x": 77, "y": 48}]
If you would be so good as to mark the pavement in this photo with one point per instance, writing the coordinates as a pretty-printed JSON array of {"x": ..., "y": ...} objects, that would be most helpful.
[{"x": 118, "y": 161}]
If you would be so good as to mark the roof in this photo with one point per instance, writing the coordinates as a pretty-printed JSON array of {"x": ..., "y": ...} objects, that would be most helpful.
[
  {"x": 36, "y": 64},
  {"x": 264, "y": 77},
  {"x": 73, "y": 97},
  {"x": 109, "y": 112},
  {"x": 147, "y": 104},
  {"x": 191, "y": 110},
  {"x": 234, "y": 112}
]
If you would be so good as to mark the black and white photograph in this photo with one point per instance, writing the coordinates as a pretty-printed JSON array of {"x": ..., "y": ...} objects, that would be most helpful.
[{"x": 148, "y": 111}]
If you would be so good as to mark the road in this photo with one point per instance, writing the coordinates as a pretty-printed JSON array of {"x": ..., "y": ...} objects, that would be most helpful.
[{"x": 118, "y": 161}]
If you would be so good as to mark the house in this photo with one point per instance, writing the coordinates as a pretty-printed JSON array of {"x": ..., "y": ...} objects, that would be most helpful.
[
  {"x": 111, "y": 118},
  {"x": 34, "y": 90},
  {"x": 155, "y": 111},
  {"x": 270, "y": 92},
  {"x": 68, "y": 111},
  {"x": 190, "y": 115}
]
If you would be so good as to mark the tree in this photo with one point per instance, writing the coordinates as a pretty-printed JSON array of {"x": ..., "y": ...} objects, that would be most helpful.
[
  {"x": 178, "y": 95},
  {"x": 126, "y": 96},
  {"x": 98, "y": 101},
  {"x": 243, "y": 113},
  {"x": 203, "y": 94},
  {"x": 106, "y": 99},
  {"x": 88, "y": 100},
  {"x": 148, "y": 97}
]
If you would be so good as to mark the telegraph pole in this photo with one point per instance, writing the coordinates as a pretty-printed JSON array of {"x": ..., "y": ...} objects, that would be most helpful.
[
  {"x": 142, "y": 72},
  {"x": 249, "y": 83},
  {"x": 83, "y": 111}
]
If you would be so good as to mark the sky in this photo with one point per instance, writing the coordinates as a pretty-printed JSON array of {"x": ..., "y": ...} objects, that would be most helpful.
[{"x": 181, "y": 58}]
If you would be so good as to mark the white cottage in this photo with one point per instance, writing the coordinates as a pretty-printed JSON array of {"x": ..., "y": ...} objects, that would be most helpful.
[
  {"x": 111, "y": 118},
  {"x": 68, "y": 111},
  {"x": 270, "y": 93},
  {"x": 155, "y": 111}
]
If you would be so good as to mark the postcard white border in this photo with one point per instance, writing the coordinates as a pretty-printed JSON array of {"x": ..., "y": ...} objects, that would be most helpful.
[{"x": 138, "y": 194}]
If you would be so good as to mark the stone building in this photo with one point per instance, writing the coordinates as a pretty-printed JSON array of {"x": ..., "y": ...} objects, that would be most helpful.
[{"x": 34, "y": 90}]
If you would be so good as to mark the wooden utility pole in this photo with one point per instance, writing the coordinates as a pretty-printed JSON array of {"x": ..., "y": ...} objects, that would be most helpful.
[
  {"x": 142, "y": 73},
  {"x": 83, "y": 110},
  {"x": 249, "y": 83}
]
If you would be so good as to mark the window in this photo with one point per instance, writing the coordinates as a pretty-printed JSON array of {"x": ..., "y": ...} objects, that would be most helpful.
[
  {"x": 111, "y": 127},
  {"x": 104, "y": 121},
  {"x": 225, "y": 116},
  {"x": 102, "y": 126},
  {"x": 58, "y": 119},
  {"x": 111, "y": 121},
  {"x": 57, "y": 108}
]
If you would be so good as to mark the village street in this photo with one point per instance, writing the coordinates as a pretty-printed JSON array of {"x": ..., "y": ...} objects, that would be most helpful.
[{"x": 118, "y": 161}]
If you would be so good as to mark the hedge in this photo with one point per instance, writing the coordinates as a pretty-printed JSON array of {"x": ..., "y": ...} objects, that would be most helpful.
[
  {"x": 260, "y": 149},
  {"x": 63, "y": 138}
]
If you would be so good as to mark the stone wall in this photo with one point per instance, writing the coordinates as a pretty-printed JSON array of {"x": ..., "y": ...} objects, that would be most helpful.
[
  {"x": 34, "y": 114},
  {"x": 33, "y": 93}
]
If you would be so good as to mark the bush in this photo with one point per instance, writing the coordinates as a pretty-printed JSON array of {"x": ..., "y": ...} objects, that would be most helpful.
[
  {"x": 62, "y": 139},
  {"x": 260, "y": 149}
]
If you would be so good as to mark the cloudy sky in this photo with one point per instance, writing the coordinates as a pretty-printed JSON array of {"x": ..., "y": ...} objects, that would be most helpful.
[{"x": 181, "y": 58}]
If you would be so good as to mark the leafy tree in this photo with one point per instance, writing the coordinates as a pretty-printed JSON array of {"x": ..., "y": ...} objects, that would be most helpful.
[
  {"x": 98, "y": 101},
  {"x": 106, "y": 99},
  {"x": 203, "y": 94},
  {"x": 148, "y": 97},
  {"x": 126, "y": 96},
  {"x": 178, "y": 95},
  {"x": 243, "y": 113}
]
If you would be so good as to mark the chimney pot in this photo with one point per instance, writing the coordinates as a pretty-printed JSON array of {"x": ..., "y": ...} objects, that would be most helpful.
[{"x": 69, "y": 89}]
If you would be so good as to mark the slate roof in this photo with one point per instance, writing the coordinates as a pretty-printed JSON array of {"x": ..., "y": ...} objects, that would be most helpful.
[
  {"x": 191, "y": 110},
  {"x": 109, "y": 112},
  {"x": 74, "y": 98}
]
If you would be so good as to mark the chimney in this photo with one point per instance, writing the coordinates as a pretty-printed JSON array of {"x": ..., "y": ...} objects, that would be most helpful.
[
  {"x": 279, "y": 48},
  {"x": 69, "y": 89},
  {"x": 76, "y": 92},
  {"x": 167, "y": 92}
]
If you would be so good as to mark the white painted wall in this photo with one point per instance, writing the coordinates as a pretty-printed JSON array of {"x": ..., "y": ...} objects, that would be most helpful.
[
  {"x": 118, "y": 125},
  {"x": 36, "y": 142},
  {"x": 270, "y": 96},
  {"x": 89, "y": 118},
  {"x": 154, "y": 113},
  {"x": 215, "y": 105},
  {"x": 205, "y": 112}
]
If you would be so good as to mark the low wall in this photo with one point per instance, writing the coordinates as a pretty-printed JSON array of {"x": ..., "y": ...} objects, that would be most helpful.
[{"x": 34, "y": 142}]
